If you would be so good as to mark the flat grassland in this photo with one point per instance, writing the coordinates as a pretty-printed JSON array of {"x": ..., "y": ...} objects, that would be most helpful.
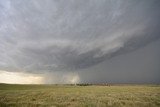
[{"x": 79, "y": 96}]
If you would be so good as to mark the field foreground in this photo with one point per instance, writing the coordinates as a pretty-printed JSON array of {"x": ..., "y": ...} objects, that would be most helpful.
[{"x": 79, "y": 96}]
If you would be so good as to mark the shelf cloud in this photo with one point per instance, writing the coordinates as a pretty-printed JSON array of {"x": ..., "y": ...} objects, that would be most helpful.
[{"x": 63, "y": 36}]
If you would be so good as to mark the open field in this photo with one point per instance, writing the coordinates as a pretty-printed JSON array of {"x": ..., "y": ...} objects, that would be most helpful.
[{"x": 79, "y": 96}]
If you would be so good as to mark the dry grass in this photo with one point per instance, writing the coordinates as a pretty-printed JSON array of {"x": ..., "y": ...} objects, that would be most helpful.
[{"x": 79, "y": 96}]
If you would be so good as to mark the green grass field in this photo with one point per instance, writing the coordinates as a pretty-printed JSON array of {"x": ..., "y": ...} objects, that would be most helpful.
[{"x": 79, "y": 96}]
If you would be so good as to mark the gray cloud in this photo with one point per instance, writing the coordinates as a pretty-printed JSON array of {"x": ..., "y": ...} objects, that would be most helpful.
[
  {"x": 38, "y": 36},
  {"x": 139, "y": 66}
]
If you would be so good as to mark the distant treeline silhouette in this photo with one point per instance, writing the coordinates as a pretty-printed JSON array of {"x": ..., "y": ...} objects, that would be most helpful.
[{"x": 89, "y": 84}]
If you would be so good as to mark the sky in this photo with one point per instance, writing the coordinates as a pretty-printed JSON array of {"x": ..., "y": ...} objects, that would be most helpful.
[{"x": 79, "y": 41}]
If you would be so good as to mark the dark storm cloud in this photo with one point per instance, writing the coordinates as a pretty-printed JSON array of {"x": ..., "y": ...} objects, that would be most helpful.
[
  {"x": 139, "y": 66},
  {"x": 65, "y": 35}
]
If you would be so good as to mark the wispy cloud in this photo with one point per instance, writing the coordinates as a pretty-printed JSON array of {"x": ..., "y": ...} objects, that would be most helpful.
[{"x": 20, "y": 78}]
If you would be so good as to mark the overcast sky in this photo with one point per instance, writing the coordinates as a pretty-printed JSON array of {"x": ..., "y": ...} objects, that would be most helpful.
[{"x": 94, "y": 41}]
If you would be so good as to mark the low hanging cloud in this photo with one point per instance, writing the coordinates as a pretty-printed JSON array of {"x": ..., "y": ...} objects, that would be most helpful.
[{"x": 51, "y": 36}]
